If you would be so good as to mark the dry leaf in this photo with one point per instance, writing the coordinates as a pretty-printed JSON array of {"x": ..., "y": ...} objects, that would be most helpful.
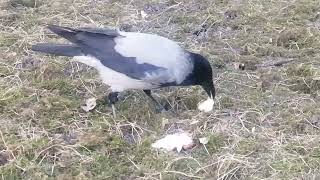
[{"x": 90, "y": 104}]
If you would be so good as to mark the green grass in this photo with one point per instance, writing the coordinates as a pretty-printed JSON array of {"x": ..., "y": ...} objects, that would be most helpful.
[{"x": 266, "y": 120}]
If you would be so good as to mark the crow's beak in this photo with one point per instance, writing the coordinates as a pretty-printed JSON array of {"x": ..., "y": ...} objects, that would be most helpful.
[
  {"x": 209, "y": 88},
  {"x": 207, "y": 105}
]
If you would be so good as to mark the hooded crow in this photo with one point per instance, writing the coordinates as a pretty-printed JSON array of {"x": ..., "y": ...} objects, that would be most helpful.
[{"x": 132, "y": 60}]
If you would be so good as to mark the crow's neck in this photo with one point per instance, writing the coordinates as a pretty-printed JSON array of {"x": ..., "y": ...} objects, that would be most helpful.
[{"x": 196, "y": 75}]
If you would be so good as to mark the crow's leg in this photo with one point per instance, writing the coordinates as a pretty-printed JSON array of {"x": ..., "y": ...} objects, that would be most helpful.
[
  {"x": 159, "y": 107},
  {"x": 113, "y": 98}
]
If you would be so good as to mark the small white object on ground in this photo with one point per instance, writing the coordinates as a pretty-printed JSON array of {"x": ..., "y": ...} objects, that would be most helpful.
[
  {"x": 204, "y": 140},
  {"x": 90, "y": 104},
  {"x": 206, "y": 106},
  {"x": 143, "y": 14},
  {"x": 174, "y": 141}
]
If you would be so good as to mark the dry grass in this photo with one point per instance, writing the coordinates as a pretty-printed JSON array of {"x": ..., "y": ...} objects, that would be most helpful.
[{"x": 266, "y": 120}]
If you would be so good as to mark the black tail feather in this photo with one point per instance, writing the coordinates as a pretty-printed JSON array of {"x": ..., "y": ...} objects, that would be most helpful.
[
  {"x": 58, "y": 49},
  {"x": 82, "y": 38}
]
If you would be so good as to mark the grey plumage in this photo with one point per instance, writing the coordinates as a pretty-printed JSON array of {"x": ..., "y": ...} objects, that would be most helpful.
[{"x": 100, "y": 44}]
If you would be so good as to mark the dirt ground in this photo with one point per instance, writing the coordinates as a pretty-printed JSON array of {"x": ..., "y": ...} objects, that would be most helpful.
[{"x": 265, "y": 123}]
